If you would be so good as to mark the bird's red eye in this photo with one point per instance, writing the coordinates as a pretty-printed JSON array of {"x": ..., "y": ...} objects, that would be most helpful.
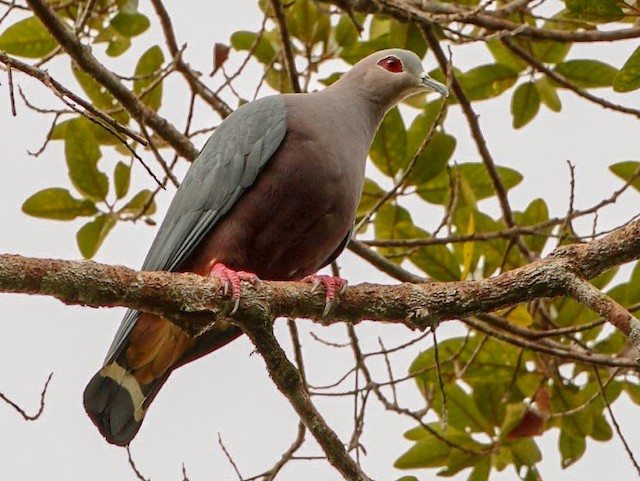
[{"x": 392, "y": 64}]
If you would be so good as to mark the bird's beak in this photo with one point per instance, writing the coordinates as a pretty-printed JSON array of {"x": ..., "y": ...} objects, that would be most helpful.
[{"x": 431, "y": 84}]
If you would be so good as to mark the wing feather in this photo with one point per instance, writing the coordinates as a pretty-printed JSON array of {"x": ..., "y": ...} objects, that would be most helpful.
[{"x": 228, "y": 164}]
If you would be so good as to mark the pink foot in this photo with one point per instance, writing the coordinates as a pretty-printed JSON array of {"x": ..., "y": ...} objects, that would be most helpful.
[
  {"x": 232, "y": 279},
  {"x": 332, "y": 285}
]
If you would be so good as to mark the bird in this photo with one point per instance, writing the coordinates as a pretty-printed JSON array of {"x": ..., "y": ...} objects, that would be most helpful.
[{"x": 272, "y": 195}]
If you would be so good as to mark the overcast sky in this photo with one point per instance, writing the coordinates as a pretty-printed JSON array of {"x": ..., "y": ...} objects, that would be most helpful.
[{"x": 229, "y": 393}]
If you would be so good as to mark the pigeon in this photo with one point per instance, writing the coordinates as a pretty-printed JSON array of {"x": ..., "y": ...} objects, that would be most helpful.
[{"x": 272, "y": 195}]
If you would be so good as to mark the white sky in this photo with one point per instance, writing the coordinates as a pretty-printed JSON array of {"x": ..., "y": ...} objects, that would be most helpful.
[{"x": 229, "y": 392}]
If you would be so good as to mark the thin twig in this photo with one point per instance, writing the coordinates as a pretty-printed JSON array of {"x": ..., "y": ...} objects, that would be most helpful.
[
  {"x": 627, "y": 448},
  {"x": 133, "y": 466},
  {"x": 540, "y": 67},
  {"x": 64, "y": 93},
  {"x": 287, "y": 47},
  {"x": 12, "y": 97},
  {"x": 22, "y": 412},
  {"x": 229, "y": 458}
]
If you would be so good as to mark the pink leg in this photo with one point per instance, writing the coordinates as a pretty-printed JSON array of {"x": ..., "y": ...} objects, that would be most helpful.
[
  {"x": 332, "y": 285},
  {"x": 232, "y": 279}
]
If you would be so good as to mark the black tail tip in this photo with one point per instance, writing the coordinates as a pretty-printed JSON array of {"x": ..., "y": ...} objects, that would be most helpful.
[{"x": 111, "y": 408}]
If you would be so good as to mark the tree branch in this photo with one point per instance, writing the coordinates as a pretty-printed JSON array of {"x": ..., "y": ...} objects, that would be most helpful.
[
  {"x": 194, "y": 302},
  {"x": 285, "y": 375},
  {"x": 197, "y": 86},
  {"x": 82, "y": 55},
  {"x": 287, "y": 47},
  {"x": 478, "y": 137},
  {"x": 61, "y": 91},
  {"x": 428, "y": 12}
]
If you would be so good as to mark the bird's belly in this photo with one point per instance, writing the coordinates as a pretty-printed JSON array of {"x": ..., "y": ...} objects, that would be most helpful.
[{"x": 284, "y": 226}]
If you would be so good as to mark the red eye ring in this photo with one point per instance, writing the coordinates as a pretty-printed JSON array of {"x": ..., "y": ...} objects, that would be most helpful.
[{"x": 392, "y": 64}]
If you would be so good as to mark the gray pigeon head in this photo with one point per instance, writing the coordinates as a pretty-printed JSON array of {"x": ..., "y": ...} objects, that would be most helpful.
[{"x": 388, "y": 76}]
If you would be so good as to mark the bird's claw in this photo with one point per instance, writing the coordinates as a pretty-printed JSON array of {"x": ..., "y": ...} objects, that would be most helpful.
[
  {"x": 332, "y": 284},
  {"x": 327, "y": 307},
  {"x": 231, "y": 280},
  {"x": 314, "y": 286}
]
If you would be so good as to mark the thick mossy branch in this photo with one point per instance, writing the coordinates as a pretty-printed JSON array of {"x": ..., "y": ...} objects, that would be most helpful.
[{"x": 194, "y": 302}]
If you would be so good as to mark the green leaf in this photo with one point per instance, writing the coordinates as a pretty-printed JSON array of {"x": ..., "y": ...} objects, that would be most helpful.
[
  {"x": 388, "y": 224},
  {"x": 475, "y": 184},
  {"x": 433, "y": 158},
  {"x": 571, "y": 448},
  {"x": 127, "y": 6},
  {"x": 389, "y": 147},
  {"x": 102, "y": 99},
  {"x": 437, "y": 262},
  {"x": 263, "y": 52},
  {"x": 408, "y": 36},
  {"x": 149, "y": 63},
  {"x": 121, "y": 179},
  {"x": 579, "y": 423},
  {"x": 27, "y": 38},
  {"x": 628, "y": 78},
  {"x": 138, "y": 202},
  {"x": 595, "y": 10},
  {"x": 633, "y": 391},
  {"x": 504, "y": 56},
  {"x": 525, "y": 452},
  {"x": 91, "y": 235},
  {"x": 57, "y": 203},
  {"x": 307, "y": 22},
  {"x": 487, "y": 81},
  {"x": 345, "y": 32},
  {"x": 535, "y": 213},
  {"x": 587, "y": 73},
  {"x": 371, "y": 194},
  {"x": 601, "y": 429},
  {"x": 463, "y": 412},
  {"x": 525, "y": 104},
  {"x": 481, "y": 470},
  {"x": 102, "y": 135},
  {"x": 380, "y": 27},
  {"x": 627, "y": 170},
  {"x": 82, "y": 153},
  {"x": 547, "y": 51},
  {"x": 432, "y": 452},
  {"x": 130, "y": 24},
  {"x": 489, "y": 397},
  {"x": 422, "y": 124},
  {"x": 118, "y": 45},
  {"x": 357, "y": 51},
  {"x": 278, "y": 79},
  {"x": 548, "y": 94}
]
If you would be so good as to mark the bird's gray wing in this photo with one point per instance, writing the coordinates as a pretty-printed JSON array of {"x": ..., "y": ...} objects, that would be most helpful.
[{"x": 229, "y": 162}]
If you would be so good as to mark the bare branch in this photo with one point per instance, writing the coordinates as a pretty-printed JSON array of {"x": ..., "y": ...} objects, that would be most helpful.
[
  {"x": 89, "y": 63},
  {"x": 287, "y": 47},
  {"x": 478, "y": 137},
  {"x": 187, "y": 72},
  {"x": 540, "y": 67},
  {"x": 62, "y": 92},
  {"x": 429, "y": 12},
  {"x": 194, "y": 302},
  {"x": 288, "y": 380},
  {"x": 22, "y": 412}
]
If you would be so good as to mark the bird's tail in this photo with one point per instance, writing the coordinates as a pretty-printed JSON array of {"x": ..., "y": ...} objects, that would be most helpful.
[
  {"x": 118, "y": 396},
  {"x": 117, "y": 402}
]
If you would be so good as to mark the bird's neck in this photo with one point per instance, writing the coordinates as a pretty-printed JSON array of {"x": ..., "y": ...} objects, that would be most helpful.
[{"x": 353, "y": 100}]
